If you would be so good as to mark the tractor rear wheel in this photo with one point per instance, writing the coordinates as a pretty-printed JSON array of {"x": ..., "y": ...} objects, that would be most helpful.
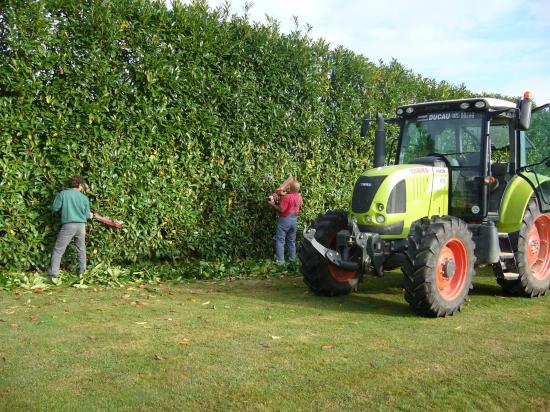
[
  {"x": 322, "y": 277},
  {"x": 440, "y": 266},
  {"x": 532, "y": 256}
]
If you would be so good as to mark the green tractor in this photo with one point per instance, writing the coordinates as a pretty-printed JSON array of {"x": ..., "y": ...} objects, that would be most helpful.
[{"x": 469, "y": 187}]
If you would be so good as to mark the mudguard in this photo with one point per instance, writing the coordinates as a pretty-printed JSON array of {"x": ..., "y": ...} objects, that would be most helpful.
[{"x": 513, "y": 205}]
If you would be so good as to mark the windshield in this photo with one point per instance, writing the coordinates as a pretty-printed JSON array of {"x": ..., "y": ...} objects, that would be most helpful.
[{"x": 457, "y": 135}]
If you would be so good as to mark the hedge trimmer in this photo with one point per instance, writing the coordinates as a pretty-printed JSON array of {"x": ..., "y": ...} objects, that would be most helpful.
[
  {"x": 281, "y": 190},
  {"x": 107, "y": 221}
]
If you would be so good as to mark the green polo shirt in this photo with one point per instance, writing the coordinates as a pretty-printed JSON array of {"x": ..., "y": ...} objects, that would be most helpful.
[{"x": 73, "y": 205}]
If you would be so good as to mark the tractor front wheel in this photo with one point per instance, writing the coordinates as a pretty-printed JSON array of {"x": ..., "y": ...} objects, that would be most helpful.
[
  {"x": 532, "y": 256},
  {"x": 440, "y": 268},
  {"x": 322, "y": 277}
]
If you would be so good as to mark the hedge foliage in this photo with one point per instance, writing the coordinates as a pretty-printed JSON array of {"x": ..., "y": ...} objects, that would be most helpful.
[{"x": 181, "y": 119}]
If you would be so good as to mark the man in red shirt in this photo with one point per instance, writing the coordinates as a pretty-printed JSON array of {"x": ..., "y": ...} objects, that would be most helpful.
[{"x": 287, "y": 223}]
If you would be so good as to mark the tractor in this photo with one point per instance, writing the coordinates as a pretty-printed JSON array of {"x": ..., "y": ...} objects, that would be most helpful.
[{"x": 468, "y": 186}]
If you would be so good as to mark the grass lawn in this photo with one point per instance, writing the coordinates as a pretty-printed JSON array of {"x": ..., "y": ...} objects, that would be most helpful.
[{"x": 270, "y": 345}]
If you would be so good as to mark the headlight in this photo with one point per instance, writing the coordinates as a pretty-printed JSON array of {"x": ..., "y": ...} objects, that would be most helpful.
[
  {"x": 369, "y": 219},
  {"x": 399, "y": 111},
  {"x": 480, "y": 104},
  {"x": 465, "y": 105},
  {"x": 380, "y": 207},
  {"x": 410, "y": 110},
  {"x": 380, "y": 219}
]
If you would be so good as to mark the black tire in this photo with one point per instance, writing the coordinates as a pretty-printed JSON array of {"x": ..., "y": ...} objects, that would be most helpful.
[
  {"x": 415, "y": 236},
  {"x": 322, "y": 277},
  {"x": 439, "y": 266},
  {"x": 532, "y": 256}
]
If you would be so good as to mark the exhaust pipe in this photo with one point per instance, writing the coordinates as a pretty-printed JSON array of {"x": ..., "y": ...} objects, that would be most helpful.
[{"x": 379, "y": 142}]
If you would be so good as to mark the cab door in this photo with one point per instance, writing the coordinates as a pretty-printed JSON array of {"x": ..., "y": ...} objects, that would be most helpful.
[{"x": 534, "y": 149}]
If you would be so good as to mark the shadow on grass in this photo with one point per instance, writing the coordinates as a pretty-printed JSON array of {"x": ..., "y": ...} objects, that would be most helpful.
[
  {"x": 381, "y": 296},
  {"x": 485, "y": 284},
  {"x": 485, "y": 289}
]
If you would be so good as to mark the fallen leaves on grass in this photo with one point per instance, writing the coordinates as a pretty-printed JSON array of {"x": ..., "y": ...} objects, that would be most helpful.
[
  {"x": 137, "y": 304},
  {"x": 166, "y": 318},
  {"x": 160, "y": 357},
  {"x": 327, "y": 347},
  {"x": 183, "y": 341},
  {"x": 33, "y": 318},
  {"x": 206, "y": 303},
  {"x": 140, "y": 323},
  {"x": 276, "y": 337},
  {"x": 14, "y": 325}
]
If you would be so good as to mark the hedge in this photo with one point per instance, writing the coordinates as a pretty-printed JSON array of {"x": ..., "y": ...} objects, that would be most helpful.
[{"x": 181, "y": 120}]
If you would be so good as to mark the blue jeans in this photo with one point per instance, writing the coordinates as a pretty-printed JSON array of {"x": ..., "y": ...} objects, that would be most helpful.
[
  {"x": 64, "y": 237},
  {"x": 286, "y": 231}
]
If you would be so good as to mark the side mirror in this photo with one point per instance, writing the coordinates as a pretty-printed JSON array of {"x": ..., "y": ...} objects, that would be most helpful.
[
  {"x": 365, "y": 125},
  {"x": 524, "y": 118}
]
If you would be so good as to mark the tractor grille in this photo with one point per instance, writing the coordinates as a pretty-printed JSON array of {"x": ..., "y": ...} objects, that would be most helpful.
[{"x": 365, "y": 189}]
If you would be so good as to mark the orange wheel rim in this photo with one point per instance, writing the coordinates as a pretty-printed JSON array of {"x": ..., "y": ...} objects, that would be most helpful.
[
  {"x": 538, "y": 249},
  {"x": 452, "y": 269}
]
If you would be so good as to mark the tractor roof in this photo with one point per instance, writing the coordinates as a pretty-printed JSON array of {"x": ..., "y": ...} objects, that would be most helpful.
[{"x": 475, "y": 103}]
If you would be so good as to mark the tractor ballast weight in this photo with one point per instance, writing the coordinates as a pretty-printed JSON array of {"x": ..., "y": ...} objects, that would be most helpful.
[{"x": 450, "y": 203}]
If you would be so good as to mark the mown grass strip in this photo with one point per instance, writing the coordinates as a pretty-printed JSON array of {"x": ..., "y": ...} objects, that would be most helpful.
[{"x": 268, "y": 344}]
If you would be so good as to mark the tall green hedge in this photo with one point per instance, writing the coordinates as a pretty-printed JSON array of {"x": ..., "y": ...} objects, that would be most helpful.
[{"x": 181, "y": 120}]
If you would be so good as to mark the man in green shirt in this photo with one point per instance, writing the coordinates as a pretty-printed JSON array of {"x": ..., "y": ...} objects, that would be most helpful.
[{"x": 74, "y": 209}]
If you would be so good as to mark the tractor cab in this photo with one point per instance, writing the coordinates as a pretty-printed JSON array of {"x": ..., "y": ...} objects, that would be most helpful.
[{"x": 482, "y": 144}]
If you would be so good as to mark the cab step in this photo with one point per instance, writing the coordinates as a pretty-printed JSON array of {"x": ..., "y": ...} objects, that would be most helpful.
[{"x": 510, "y": 276}]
